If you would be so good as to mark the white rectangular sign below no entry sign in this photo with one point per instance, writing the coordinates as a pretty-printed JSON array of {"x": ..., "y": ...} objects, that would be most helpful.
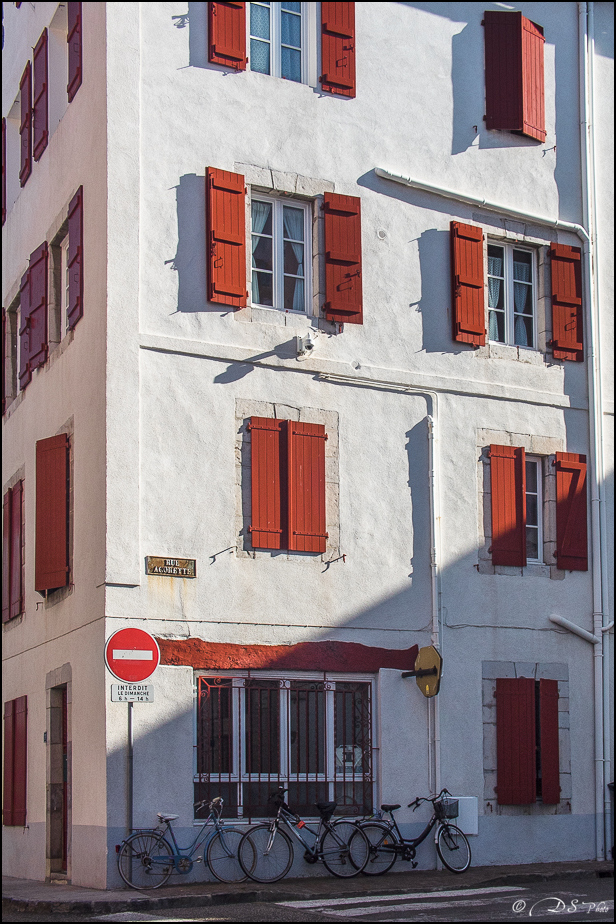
[{"x": 132, "y": 692}]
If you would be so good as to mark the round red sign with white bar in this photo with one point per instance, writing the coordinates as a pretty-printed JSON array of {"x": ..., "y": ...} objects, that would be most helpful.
[{"x": 132, "y": 655}]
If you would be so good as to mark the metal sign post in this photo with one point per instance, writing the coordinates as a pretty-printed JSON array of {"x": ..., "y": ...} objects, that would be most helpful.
[{"x": 132, "y": 656}]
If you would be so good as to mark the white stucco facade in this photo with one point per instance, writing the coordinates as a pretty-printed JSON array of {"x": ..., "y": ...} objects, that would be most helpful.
[{"x": 156, "y": 384}]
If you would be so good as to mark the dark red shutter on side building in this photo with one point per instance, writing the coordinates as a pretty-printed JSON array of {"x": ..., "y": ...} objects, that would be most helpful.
[
  {"x": 38, "y": 307},
  {"x": 516, "y": 766},
  {"x": 74, "y": 39},
  {"x": 25, "y": 126},
  {"x": 40, "y": 107},
  {"x": 3, "y": 370},
  {"x": 51, "y": 551},
  {"x": 9, "y": 763},
  {"x": 508, "y": 485},
  {"x": 343, "y": 265},
  {"x": 75, "y": 258},
  {"x": 469, "y": 325},
  {"x": 16, "y": 549},
  {"x": 15, "y": 761},
  {"x": 20, "y": 754},
  {"x": 25, "y": 373},
  {"x": 571, "y": 504},
  {"x": 6, "y": 556},
  {"x": 3, "y": 170},
  {"x": 567, "y": 314},
  {"x": 226, "y": 237},
  {"x": 515, "y": 91},
  {"x": 306, "y": 486},
  {"x": 549, "y": 754},
  {"x": 338, "y": 48},
  {"x": 268, "y": 482}
]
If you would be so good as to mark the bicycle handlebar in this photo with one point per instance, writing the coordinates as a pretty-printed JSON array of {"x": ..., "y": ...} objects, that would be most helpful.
[{"x": 417, "y": 801}]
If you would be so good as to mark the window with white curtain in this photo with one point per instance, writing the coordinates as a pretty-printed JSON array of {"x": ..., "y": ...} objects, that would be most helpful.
[
  {"x": 511, "y": 295},
  {"x": 534, "y": 509},
  {"x": 281, "y": 254},
  {"x": 278, "y": 39}
]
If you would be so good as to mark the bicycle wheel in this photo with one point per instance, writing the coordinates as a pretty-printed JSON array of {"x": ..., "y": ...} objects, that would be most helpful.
[
  {"x": 222, "y": 855},
  {"x": 453, "y": 848},
  {"x": 382, "y": 848},
  {"x": 344, "y": 849},
  {"x": 265, "y": 856},
  {"x": 145, "y": 860}
]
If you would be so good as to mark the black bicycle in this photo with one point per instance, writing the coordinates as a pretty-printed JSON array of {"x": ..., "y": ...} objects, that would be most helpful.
[
  {"x": 266, "y": 851},
  {"x": 387, "y": 843}
]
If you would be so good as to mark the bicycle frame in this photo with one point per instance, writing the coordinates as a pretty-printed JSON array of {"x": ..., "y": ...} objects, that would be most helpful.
[
  {"x": 315, "y": 851},
  {"x": 183, "y": 853},
  {"x": 410, "y": 843},
  {"x": 288, "y": 818}
]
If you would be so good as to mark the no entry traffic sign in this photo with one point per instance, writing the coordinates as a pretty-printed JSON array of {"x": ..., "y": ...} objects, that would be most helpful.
[{"x": 132, "y": 655}]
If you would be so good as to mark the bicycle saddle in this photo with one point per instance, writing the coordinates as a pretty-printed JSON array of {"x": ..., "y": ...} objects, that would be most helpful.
[
  {"x": 164, "y": 816},
  {"x": 326, "y": 808},
  {"x": 390, "y": 808}
]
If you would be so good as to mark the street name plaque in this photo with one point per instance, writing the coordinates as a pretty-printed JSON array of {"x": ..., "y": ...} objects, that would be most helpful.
[{"x": 171, "y": 567}]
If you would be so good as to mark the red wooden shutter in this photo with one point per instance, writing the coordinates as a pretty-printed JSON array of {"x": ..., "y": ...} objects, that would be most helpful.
[
  {"x": 343, "y": 282},
  {"x": 20, "y": 752},
  {"x": 548, "y": 724},
  {"x": 40, "y": 108},
  {"x": 508, "y": 480},
  {"x": 74, "y": 49},
  {"x": 571, "y": 528},
  {"x": 25, "y": 127},
  {"x": 515, "y": 91},
  {"x": 533, "y": 81},
  {"x": 227, "y": 35},
  {"x": 338, "y": 48},
  {"x": 515, "y": 741},
  {"x": 38, "y": 307},
  {"x": 16, "y": 550},
  {"x": 3, "y": 171},
  {"x": 6, "y": 556},
  {"x": 567, "y": 315},
  {"x": 226, "y": 229},
  {"x": 75, "y": 258},
  {"x": 268, "y": 480},
  {"x": 3, "y": 370},
  {"x": 25, "y": 373},
  {"x": 51, "y": 551},
  {"x": 9, "y": 763},
  {"x": 15, "y": 761},
  {"x": 469, "y": 323},
  {"x": 306, "y": 486}
]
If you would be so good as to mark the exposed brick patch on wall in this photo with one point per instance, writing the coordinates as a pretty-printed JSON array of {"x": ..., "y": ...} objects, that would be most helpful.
[{"x": 322, "y": 656}]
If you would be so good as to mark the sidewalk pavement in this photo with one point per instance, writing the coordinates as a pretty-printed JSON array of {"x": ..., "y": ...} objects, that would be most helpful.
[{"x": 62, "y": 898}]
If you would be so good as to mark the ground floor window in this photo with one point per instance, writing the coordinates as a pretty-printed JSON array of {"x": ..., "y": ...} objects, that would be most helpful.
[{"x": 312, "y": 735}]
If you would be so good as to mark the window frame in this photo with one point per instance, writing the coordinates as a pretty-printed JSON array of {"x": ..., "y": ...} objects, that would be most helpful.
[
  {"x": 537, "y": 461},
  {"x": 508, "y": 247},
  {"x": 239, "y": 776},
  {"x": 278, "y": 204},
  {"x": 275, "y": 42},
  {"x": 64, "y": 300}
]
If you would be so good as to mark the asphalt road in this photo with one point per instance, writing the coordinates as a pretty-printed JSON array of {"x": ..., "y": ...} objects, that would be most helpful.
[{"x": 588, "y": 899}]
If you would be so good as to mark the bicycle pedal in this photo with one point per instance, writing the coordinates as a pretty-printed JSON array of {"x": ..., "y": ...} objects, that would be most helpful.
[{"x": 414, "y": 863}]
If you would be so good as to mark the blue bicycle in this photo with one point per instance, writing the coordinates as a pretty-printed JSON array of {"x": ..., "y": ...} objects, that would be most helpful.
[{"x": 146, "y": 859}]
